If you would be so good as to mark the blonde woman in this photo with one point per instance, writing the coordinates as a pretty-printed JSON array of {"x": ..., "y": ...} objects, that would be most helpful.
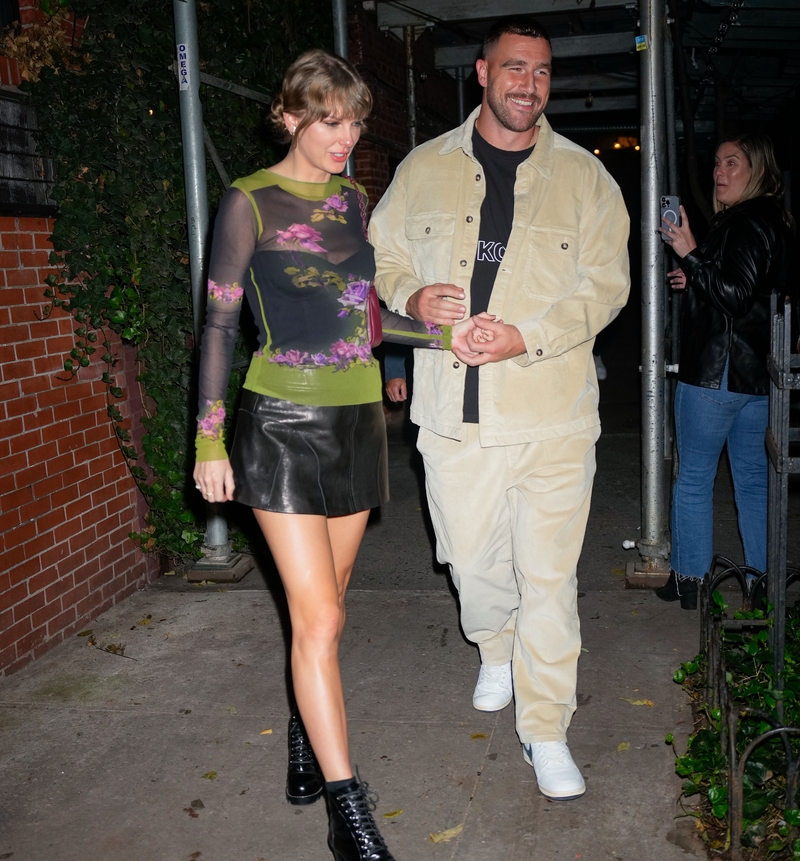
[
  {"x": 309, "y": 453},
  {"x": 722, "y": 394}
]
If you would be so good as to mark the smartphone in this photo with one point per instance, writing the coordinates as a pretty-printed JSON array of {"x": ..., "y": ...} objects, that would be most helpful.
[{"x": 671, "y": 208}]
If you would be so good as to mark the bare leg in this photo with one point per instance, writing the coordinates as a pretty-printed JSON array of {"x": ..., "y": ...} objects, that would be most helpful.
[{"x": 315, "y": 557}]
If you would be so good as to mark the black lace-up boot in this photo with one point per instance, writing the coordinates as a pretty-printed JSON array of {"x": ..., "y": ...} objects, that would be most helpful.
[
  {"x": 680, "y": 588},
  {"x": 353, "y": 835},
  {"x": 304, "y": 782}
]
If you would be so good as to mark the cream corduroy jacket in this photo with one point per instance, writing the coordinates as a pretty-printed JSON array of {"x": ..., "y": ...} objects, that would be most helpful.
[{"x": 563, "y": 278}]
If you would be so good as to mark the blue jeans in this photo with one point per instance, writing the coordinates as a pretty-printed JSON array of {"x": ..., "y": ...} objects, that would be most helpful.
[{"x": 705, "y": 420}]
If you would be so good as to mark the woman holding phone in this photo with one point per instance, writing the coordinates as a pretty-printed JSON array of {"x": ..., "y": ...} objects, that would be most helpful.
[{"x": 722, "y": 394}]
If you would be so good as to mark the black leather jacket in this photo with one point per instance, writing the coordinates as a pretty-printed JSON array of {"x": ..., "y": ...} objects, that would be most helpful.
[{"x": 729, "y": 279}]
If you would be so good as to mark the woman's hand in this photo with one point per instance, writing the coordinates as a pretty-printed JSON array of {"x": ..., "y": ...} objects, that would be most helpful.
[
  {"x": 468, "y": 336},
  {"x": 488, "y": 340},
  {"x": 680, "y": 238},
  {"x": 677, "y": 279},
  {"x": 479, "y": 335},
  {"x": 214, "y": 480}
]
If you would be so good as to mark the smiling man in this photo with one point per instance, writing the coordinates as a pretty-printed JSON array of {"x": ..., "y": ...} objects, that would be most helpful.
[{"x": 506, "y": 216}]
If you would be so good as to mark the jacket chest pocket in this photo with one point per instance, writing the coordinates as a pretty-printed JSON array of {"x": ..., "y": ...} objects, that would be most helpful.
[
  {"x": 430, "y": 240},
  {"x": 552, "y": 265}
]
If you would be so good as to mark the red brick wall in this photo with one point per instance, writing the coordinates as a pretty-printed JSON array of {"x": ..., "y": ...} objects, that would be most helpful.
[
  {"x": 67, "y": 500},
  {"x": 29, "y": 12},
  {"x": 380, "y": 57}
]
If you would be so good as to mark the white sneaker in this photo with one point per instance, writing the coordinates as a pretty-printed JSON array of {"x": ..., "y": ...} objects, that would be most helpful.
[
  {"x": 493, "y": 690},
  {"x": 599, "y": 367},
  {"x": 556, "y": 773}
]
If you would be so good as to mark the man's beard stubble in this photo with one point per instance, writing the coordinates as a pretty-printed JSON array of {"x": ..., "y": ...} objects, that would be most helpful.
[{"x": 498, "y": 103}]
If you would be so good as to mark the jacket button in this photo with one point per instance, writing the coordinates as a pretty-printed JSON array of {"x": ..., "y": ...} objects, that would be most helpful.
[
  {"x": 428, "y": 230},
  {"x": 477, "y": 177},
  {"x": 564, "y": 245},
  {"x": 469, "y": 219},
  {"x": 538, "y": 352},
  {"x": 456, "y": 365},
  {"x": 463, "y": 262}
]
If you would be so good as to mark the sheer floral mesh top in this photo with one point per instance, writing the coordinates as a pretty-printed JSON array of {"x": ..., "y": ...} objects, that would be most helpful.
[{"x": 297, "y": 251}]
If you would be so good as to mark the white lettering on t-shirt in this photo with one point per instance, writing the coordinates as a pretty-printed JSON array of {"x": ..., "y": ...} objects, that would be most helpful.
[{"x": 491, "y": 252}]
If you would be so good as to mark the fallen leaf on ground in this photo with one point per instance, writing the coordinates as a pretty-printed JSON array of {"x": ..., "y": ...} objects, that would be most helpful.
[
  {"x": 210, "y": 775},
  {"x": 148, "y": 620},
  {"x": 444, "y": 836},
  {"x": 623, "y": 745},
  {"x": 392, "y": 814},
  {"x": 266, "y": 732},
  {"x": 86, "y": 633},
  {"x": 634, "y": 702},
  {"x": 197, "y": 804},
  {"x": 476, "y": 735},
  {"x": 232, "y": 710}
]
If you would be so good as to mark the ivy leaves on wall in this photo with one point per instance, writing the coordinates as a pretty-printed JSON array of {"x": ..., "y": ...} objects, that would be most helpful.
[{"x": 109, "y": 117}]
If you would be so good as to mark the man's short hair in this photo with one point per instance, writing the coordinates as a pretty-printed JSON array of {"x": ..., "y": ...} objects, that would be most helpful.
[{"x": 514, "y": 25}]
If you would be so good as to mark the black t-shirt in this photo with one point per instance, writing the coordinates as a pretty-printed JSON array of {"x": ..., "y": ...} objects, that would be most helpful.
[{"x": 497, "y": 215}]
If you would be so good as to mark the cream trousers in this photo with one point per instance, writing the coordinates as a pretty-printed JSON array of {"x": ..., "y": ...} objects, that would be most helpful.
[{"x": 510, "y": 522}]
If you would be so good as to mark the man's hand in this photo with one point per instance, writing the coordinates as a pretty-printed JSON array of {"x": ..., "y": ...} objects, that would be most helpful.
[
  {"x": 431, "y": 305},
  {"x": 506, "y": 343},
  {"x": 396, "y": 389}
]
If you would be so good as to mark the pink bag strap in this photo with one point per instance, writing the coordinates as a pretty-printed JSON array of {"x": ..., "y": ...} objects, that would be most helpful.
[{"x": 362, "y": 204}]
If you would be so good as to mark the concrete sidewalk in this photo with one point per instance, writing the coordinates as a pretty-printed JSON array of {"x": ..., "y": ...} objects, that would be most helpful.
[{"x": 177, "y": 749}]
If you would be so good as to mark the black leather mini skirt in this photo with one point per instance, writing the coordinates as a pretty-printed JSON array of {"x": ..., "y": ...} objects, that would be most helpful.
[{"x": 309, "y": 460}]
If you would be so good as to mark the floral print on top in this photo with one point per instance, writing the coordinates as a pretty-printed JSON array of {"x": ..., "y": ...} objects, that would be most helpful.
[
  {"x": 333, "y": 209},
  {"x": 297, "y": 252},
  {"x": 225, "y": 292},
  {"x": 212, "y": 423}
]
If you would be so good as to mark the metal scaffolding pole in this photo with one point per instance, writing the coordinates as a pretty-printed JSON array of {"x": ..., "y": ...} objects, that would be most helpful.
[
  {"x": 194, "y": 160},
  {"x": 340, "y": 47},
  {"x": 216, "y": 546},
  {"x": 653, "y": 545},
  {"x": 411, "y": 88},
  {"x": 672, "y": 298},
  {"x": 460, "y": 95},
  {"x": 669, "y": 106}
]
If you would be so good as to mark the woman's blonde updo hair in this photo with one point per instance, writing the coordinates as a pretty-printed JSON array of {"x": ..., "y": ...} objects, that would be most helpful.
[{"x": 319, "y": 85}]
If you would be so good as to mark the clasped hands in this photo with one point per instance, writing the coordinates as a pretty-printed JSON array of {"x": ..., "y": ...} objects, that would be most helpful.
[{"x": 476, "y": 340}]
